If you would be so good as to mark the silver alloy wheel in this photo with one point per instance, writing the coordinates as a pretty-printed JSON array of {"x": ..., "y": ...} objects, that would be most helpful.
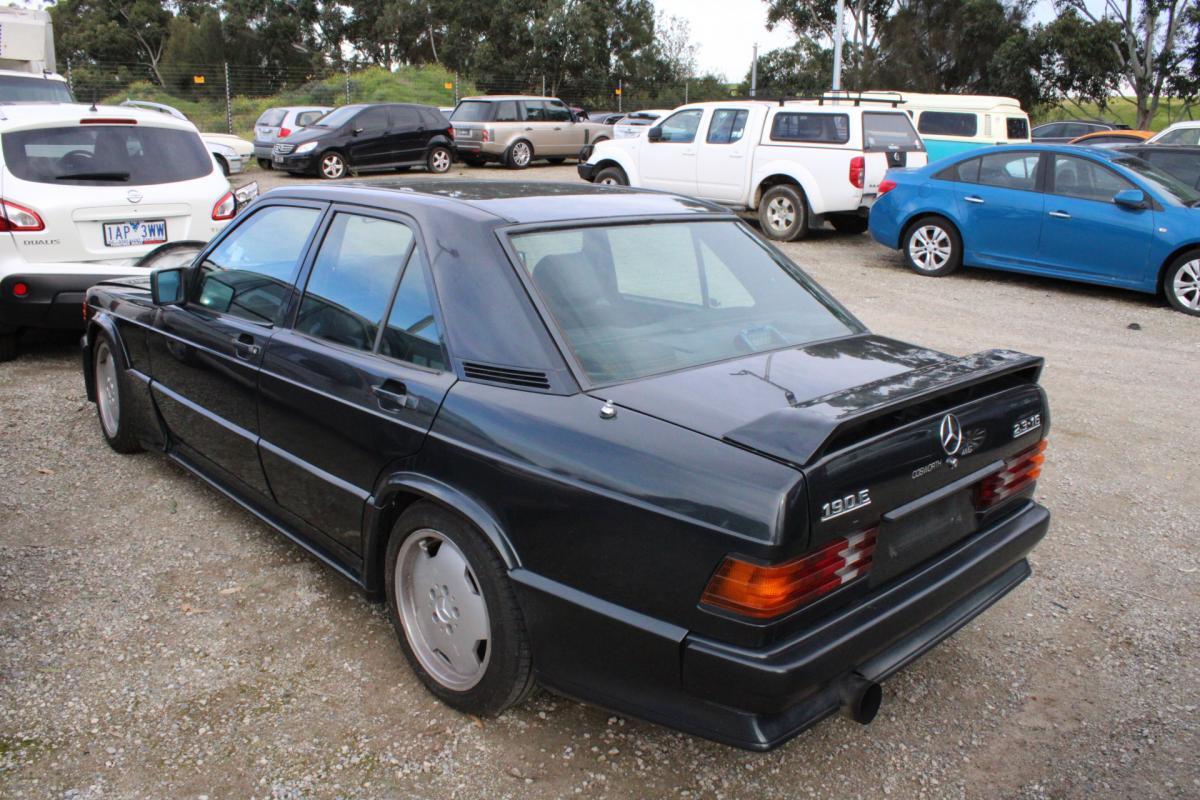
[
  {"x": 930, "y": 247},
  {"x": 781, "y": 213},
  {"x": 521, "y": 154},
  {"x": 107, "y": 396},
  {"x": 443, "y": 611},
  {"x": 332, "y": 165},
  {"x": 440, "y": 160},
  {"x": 1186, "y": 285}
]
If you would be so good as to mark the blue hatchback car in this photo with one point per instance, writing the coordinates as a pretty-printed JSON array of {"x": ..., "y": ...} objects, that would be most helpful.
[{"x": 1080, "y": 213}]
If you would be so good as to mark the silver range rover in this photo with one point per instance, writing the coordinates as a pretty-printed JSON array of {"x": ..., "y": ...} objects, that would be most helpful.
[{"x": 516, "y": 129}]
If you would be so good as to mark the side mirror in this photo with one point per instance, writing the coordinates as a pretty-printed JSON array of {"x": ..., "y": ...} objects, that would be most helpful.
[
  {"x": 1133, "y": 199},
  {"x": 166, "y": 286},
  {"x": 654, "y": 134}
]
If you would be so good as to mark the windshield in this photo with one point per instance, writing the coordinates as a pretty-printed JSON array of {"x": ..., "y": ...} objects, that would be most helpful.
[
  {"x": 131, "y": 155},
  {"x": 472, "y": 111},
  {"x": 338, "y": 117},
  {"x": 1167, "y": 185},
  {"x": 637, "y": 300},
  {"x": 15, "y": 89}
]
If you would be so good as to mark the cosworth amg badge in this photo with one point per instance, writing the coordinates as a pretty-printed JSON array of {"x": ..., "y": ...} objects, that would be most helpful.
[{"x": 950, "y": 434}]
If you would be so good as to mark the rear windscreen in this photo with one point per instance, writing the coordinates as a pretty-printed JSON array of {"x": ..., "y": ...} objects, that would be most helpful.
[
  {"x": 272, "y": 118},
  {"x": 1018, "y": 128},
  {"x": 472, "y": 111},
  {"x": 106, "y": 155},
  {"x": 884, "y": 131},
  {"x": 948, "y": 123},
  {"x": 15, "y": 89}
]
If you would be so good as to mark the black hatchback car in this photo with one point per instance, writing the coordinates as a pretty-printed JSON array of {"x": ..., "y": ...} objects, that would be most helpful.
[
  {"x": 604, "y": 440},
  {"x": 366, "y": 138}
]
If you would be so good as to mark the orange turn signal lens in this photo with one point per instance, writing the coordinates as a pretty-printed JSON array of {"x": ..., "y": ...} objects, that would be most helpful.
[
  {"x": 1019, "y": 473},
  {"x": 764, "y": 591}
]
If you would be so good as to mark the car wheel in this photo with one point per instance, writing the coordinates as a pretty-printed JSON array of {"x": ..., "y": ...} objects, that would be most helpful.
[
  {"x": 265, "y": 163},
  {"x": 849, "y": 225},
  {"x": 8, "y": 346},
  {"x": 455, "y": 612},
  {"x": 933, "y": 247},
  {"x": 439, "y": 160},
  {"x": 783, "y": 213},
  {"x": 612, "y": 176},
  {"x": 519, "y": 154},
  {"x": 111, "y": 395},
  {"x": 332, "y": 165},
  {"x": 1181, "y": 283}
]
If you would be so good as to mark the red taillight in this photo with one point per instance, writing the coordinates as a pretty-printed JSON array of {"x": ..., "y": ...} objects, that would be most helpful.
[
  {"x": 858, "y": 169},
  {"x": 285, "y": 132},
  {"x": 16, "y": 217},
  {"x": 755, "y": 590},
  {"x": 20, "y": 289},
  {"x": 485, "y": 135},
  {"x": 451, "y": 131},
  {"x": 1019, "y": 473},
  {"x": 85, "y": 311},
  {"x": 225, "y": 207},
  {"x": 886, "y": 185}
]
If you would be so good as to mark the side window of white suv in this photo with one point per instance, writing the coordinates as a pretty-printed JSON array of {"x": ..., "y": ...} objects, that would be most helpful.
[
  {"x": 727, "y": 126},
  {"x": 681, "y": 126}
]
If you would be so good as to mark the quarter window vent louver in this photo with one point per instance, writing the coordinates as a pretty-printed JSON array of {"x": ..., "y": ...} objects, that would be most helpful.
[{"x": 527, "y": 378}]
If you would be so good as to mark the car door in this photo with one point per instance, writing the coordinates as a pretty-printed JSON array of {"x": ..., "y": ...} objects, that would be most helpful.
[
  {"x": 206, "y": 353},
  {"x": 538, "y": 129},
  {"x": 722, "y": 163},
  {"x": 408, "y": 134},
  {"x": 1085, "y": 232},
  {"x": 369, "y": 144},
  {"x": 1000, "y": 203},
  {"x": 354, "y": 382},
  {"x": 567, "y": 136},
  {"x": 669, "y": 162}
]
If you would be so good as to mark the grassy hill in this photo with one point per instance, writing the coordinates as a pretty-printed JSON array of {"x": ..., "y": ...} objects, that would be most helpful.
[
  {"x": 1120, "y": 109},
  {"x": 374, "y": 85}
]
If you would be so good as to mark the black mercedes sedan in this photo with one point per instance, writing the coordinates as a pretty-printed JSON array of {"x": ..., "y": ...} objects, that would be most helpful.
[{"x": 604, "y": 440}]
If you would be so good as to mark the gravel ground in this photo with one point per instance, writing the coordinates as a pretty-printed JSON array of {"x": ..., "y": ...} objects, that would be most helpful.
[{"x": 156, "y": 641}]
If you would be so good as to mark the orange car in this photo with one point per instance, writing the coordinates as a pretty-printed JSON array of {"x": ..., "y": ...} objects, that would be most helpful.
[{"x": 1114, "y": 138}]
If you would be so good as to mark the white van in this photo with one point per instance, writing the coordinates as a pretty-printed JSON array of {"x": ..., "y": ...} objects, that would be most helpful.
[
  {"x": 796, "y": 163},
  {"x": 85, "y": 192},
  {"x": 950, "y": 124}
]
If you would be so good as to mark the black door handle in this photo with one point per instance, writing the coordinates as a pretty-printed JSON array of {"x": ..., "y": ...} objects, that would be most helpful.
[
  {"x": 245, "y": 347},
  {"x": 392, "y": 395}
]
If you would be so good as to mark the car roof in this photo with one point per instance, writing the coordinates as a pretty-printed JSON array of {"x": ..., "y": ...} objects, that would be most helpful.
[
  {"x": 1187, "y": 123},
  {"x": 34, "y": 115},
  {"x": 1115, "y": 132},
  {"x": 499, "y": 97},
  {"x": 520, "y": 202}
]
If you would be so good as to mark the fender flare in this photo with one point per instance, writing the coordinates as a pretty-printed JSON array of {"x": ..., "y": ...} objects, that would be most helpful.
[
  {"x": 101, "y": 320},
  {"x": 377, "y": 522},
  {"x": 614, "y": 156},
  {"x": 808, "y": 184}
]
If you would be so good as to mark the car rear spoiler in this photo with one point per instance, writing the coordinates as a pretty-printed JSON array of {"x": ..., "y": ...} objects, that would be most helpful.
[{"x": 806, "y": 431}]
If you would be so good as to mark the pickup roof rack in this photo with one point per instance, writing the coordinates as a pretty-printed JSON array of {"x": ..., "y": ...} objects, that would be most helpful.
[{"x": 858, "y": 98}]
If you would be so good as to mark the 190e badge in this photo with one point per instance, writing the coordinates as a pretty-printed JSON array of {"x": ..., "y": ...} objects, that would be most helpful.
[{"x": 844, "y": 505}]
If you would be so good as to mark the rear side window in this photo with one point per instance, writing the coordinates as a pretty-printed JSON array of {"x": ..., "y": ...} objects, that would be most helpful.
[
  {"x": 964, "y": 172},
  {"x": 794, "y": 126},
  {"x": 948, "y": 123},
  {"x": 727, "y": 126},
  {"x": 535, "y": 111},
  {"x": 412, "y": 332},
  {"x": 1010, "y": 170},
  {"x": 405, "y": 116},
  {"x": 1018, "y": 128},
  {"x": 883, "y": 131},
  {"x": 106, "y": 155},
  {"x": 347, "y": 293},
  {"x": 506, "y": 111},
  {"x": 306, "y": 118},
  {"x": 273, "y": 117},
  {"x": 250, "y": 273},
  {"x": 472, "y": 111}
]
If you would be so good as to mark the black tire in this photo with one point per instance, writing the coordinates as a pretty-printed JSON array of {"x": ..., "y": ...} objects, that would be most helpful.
[
  {"x": 519, "y": 154},
  {"x": 121, "y": 438},
  {"x": 783, "y": 213},
  {"x": 439, "y": 160},
  {"x": 932, "y": 246},
  {"x": 508, "y": 676},
  {"x": 224, "y": 165},
  {"x": 1181, "y": 283},
  {"x": 851, "y": 225},
  {"x": 8, "y": 346},
  {"x": 265, "y": 163},
  {"x": 556, "y": 160},
  {"x": 612, "y": 176},
  {"x": 332, "y": 158}
]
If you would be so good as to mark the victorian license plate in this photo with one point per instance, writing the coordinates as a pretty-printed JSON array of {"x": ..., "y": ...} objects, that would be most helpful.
[{"x": 135, "y": 233}]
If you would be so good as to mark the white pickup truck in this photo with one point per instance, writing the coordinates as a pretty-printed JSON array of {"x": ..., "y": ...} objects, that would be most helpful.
[{"x": 796, "y": 163}]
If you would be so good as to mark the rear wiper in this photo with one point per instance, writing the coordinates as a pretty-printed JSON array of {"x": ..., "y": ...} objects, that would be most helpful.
[{"x": 93, "y": 176}]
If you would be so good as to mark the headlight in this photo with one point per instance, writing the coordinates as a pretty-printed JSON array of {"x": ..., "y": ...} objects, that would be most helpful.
[{"x": 307, "y": 147}]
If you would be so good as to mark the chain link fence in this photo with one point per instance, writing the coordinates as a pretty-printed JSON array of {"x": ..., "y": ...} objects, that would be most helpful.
[{"x": 230, "y": 97}]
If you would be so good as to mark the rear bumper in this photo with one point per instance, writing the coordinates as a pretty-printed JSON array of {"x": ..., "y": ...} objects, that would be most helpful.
[
  {"x": 263, "y": 149},
  {"x": 759, "y": 698},
  {"x": 53, "y": 301}
]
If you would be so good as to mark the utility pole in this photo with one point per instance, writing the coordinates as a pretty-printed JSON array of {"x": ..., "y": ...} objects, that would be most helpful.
[
  {"x": 837, "y": 46},
  {"x": 754, "y": 71},
  {"x": 620, "y": 95},
  {"x": 346, "y": 82},
  {"x": 685, "y": 93},
  {"x": 228, "y": 101}
]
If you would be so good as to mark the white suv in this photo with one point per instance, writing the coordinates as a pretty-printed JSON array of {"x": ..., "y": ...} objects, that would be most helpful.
[
  {"x": 797, "y": 163},
  {"x": 85, "y": 192}
]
